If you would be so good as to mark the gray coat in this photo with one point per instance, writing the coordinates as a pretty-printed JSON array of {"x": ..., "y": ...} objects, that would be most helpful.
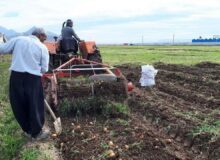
[{"x": 68, "y": 32}]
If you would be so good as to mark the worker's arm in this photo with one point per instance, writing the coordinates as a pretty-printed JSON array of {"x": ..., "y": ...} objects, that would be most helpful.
[
  {"x": 75, "y": 35},
  {"x": 8, "y": 46},
  {"x": 44, "y": 60}
]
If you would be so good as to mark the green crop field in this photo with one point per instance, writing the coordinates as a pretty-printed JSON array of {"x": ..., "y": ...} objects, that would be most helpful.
[{"x": 167, "y": 54}]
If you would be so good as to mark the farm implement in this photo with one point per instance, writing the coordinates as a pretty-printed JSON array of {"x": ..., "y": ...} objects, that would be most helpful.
[{"x": 81, "y": 76}]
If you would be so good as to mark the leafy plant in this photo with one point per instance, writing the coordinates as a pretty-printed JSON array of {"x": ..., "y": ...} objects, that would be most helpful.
[
  {"x": 80, "y": 106},
  {"x": 65, "y": 107},
  {"x": 104, "y": 145},
  {"x": 122, "y": 122},
  {"x": 115, "y": 109},
  {"x": 10, "y": 136},
  {"x": 92, "y": 106},
  {"x": 30, "y": 154},
  {"x": 213, "y": 129},
  {"x": 210, "y": 125}
]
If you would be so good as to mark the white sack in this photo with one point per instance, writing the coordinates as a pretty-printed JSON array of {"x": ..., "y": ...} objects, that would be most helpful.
[{"x": 148, "y": 74}]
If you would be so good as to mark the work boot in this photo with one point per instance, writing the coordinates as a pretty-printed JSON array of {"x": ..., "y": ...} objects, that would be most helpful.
[
  {"x": 43, "y": 135},
  {"x": 27, "y": 135}
]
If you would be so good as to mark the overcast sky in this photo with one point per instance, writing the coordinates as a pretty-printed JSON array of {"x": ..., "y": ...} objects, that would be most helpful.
[{"x": 117, "y": 21}]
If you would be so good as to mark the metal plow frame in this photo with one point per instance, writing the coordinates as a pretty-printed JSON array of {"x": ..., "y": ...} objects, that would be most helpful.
[{"x": 73, "y": 68}]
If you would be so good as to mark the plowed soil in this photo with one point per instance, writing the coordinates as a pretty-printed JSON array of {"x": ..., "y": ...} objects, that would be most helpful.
[{"x": 165, "y": 122}]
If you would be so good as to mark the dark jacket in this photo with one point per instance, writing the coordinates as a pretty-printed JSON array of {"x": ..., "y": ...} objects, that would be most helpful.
[{"x": 68, "y": 32}]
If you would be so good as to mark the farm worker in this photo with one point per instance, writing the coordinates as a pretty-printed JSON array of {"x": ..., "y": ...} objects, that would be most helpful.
[
  {"x": 30, "y": 59},
  {"x": 68, "y": 32},
  {"x": 69, "y": 39}
]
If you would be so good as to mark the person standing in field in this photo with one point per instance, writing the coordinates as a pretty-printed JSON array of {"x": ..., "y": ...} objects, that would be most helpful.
[{"x": 30, "y": 59}]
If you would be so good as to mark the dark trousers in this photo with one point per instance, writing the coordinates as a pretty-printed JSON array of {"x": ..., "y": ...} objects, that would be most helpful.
[{"x": 27, "y": 101}]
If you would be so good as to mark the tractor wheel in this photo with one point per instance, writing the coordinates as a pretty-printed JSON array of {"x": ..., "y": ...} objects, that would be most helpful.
[{"x": 96, "y": 57}]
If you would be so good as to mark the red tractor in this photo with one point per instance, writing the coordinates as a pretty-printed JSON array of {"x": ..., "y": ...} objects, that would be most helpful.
[{"x": 60, "y": 52}]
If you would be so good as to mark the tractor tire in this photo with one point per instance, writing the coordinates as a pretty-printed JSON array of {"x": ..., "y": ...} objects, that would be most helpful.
[{"x": 96, "y": 57}]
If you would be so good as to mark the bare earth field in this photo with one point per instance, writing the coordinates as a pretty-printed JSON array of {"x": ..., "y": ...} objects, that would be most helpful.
[{"x": 178, "y": 118}]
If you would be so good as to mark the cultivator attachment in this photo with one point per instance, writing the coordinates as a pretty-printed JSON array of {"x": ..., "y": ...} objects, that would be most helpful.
[{"x": 79, "y": 78}]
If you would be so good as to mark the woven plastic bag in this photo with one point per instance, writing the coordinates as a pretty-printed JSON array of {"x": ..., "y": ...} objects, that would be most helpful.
[{"x": 148, "y": 74}]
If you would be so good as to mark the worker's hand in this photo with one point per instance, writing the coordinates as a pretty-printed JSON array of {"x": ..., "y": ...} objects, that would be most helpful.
[{"x": 70, "y": 55}]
